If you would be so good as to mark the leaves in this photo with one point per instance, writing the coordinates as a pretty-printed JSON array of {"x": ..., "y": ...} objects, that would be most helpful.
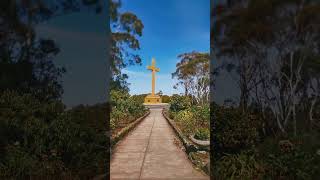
[
  {"x": 125, "y": 108},
  {"x": 193, "y": 74},
  {"x": 43, "y": 140},
  {"x": 126, "y": 27}
]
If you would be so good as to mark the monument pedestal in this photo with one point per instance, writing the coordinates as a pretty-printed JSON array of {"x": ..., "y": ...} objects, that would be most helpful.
[{"x": 152, "y": 99}]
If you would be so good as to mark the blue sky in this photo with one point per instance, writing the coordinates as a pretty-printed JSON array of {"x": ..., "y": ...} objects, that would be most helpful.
[
  {"x": 82, "y": 41},
  {"x": 171, "y": 27}
]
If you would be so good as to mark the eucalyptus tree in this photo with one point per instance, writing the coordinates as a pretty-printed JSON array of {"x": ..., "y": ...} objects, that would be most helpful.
[
  {"x": 281, "y": 38},
  {"x": 26, "y": 60},
  {"x": 126, "y": 28},
  {"x": 193, "y": 74}
]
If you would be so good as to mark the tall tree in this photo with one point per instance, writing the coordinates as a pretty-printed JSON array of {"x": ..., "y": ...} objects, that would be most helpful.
[
  {"x": 281, "y": 37},
  {"x": 26, "y": 60},
  {"x": 193, "y": 74},
  {"x": 126, "y": 27}
]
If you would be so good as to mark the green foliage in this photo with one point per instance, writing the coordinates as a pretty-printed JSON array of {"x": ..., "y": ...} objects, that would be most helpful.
[
  {"x": 172, "y": 114},
  {"x": 139, "y": 98},
  {"x": 234, "y": 130},
  {"x": 293, "y": 164},
  {"x": 192, "y": 72},
  {"x": 124, "y": 108},
  {"x": 202, "y": 134},
  {"x": 166, "y": 99},
  {"x": 190, "y": 119},
  {"x": 94, "y": 116},
  {"x": 293, "y": 158},
  {"x": 26, "y": 60},
  {"x": 202, "y": 115},
  {"x": 124, "y": 40},
  {"x": 238, "y": 166},
  {"x": 239, "y": 154},
  {"x": 41, "y": 140},
  {"x": 179, "y": 103},
  {"x": 186, "y": 121},
  {"x": 296, "y": 164}
]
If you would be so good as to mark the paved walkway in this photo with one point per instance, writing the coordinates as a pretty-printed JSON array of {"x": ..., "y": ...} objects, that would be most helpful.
[{"x": 150, "y": 152}]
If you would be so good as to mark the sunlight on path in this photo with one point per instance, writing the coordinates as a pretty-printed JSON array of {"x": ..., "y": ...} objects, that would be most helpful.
[{"x": 149, "y": 152}]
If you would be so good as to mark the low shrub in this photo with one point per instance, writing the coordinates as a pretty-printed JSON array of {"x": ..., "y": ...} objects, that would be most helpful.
[
  {"x": 186, "y": 121},
  {"x": 166, "y": 99},
  {"x": 234, "y": 130},
  {"x": 179, "y": 103},
  {"x": 286, "y": 161},
  {"x": 202, "y": 115},
  {"x": 291, "y": 159},
  {"x": 43, "y": 140},
  {"x": 125, "y": 108},
  {"x": 202, "y": 134},
  {"x": 239, "y": 166},
  {"x": 139, "y": 98},
  {"x": 241, "y": 153}
]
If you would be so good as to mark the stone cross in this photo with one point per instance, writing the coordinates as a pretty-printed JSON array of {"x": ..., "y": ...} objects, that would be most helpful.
[{"x": 154, "y": 70}]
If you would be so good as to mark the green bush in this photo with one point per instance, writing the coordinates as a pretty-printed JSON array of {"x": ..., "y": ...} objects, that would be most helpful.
[
  {"x": 240, "y": 153},
  {"x": 139, "y": 98},
  {"x": 233, "y": 130},
  {"x": 291, "y": 159},
  {"x": 135, "y": 108},
  {"x": 190, "y": 118},
  {"x": 186, "y": 121},
  {"x": 179, "y": 103},
  {"x": 293, "y": 165},
  {"x": 202, "y": 115},
  {"x": 124, "y": 108},
  {"x": 239, "y": 166},
  {"x": 274, "y": 159},
  {"x": 172, "y": 114},
  {"x": 202, "y": 134},
  {"x": 42, "y": 140},
  {"x": 166, "y": 99}
]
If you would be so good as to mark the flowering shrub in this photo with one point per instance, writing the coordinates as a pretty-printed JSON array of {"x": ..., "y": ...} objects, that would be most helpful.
[
  {"x": 179, "y": 103},
  {"x": 202, "y": 115},
  {"x": 125, "y": 108},
  {"x": 202, "y": 134},
  {"x": 190, "y": 117},
  {"x": 186, "y": 121}
]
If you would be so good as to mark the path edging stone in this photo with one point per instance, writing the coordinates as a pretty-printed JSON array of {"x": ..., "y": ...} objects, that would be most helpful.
[
  {"x": 188, "y": 145},
  {"x": 121, "y": 134},
  {"x": 205, "y": 144}
]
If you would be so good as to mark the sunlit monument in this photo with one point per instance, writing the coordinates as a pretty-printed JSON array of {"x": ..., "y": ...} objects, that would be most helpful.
[{"x": 153, "y": 98}]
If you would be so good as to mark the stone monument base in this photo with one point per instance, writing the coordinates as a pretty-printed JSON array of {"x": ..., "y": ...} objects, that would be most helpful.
[{"x": 152, "y": 99}]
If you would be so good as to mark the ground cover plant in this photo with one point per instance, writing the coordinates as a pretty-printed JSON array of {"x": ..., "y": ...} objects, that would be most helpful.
[{"x": 125, "y": 109}]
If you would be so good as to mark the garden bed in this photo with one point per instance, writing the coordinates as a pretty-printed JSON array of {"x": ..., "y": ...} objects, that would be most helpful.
[
  {"x": 198, "y": 155},
  {"x": 121, "y": 133}
]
